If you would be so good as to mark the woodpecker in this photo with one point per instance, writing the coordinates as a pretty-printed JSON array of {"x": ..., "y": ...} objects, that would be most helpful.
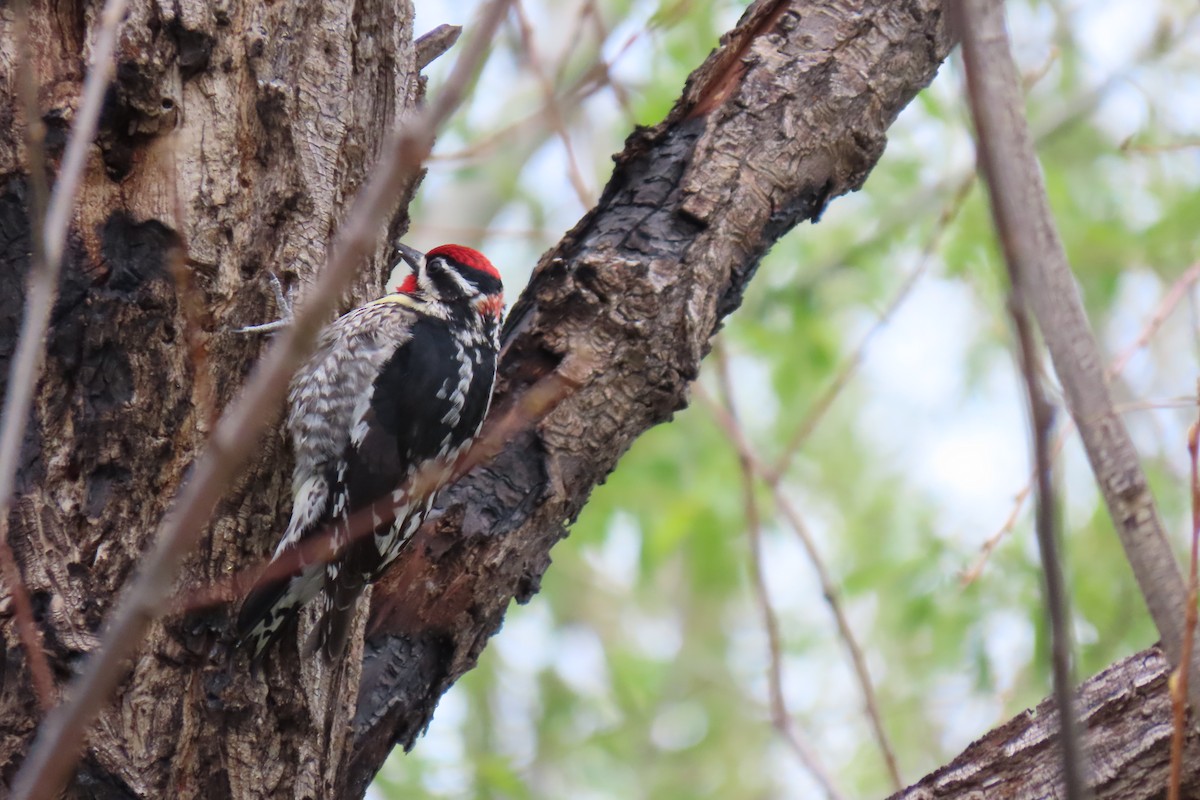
[{"x": 396, "y": 390}]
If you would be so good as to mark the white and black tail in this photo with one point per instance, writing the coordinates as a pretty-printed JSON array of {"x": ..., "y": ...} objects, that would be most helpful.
[
  {"x": 338, "y": 569},
  {"x": 272, "y": 606}
]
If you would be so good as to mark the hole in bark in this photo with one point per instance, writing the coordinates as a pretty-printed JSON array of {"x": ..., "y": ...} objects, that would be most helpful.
[
  {"x": 167, "y": 104},
  {"x": 135, "y": 251},
  {"x": 103, "y": 484},
  {"x": 194, "y": 50}
]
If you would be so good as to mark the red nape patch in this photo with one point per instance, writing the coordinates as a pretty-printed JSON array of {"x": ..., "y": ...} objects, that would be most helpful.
[{"x": 465, "y": 256}]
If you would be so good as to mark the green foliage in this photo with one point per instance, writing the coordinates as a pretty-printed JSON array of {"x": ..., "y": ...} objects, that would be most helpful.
[{"x": 641, "y": 669}]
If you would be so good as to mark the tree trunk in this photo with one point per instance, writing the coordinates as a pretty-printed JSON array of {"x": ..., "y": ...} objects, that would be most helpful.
[{"x": 233, "y": 139}]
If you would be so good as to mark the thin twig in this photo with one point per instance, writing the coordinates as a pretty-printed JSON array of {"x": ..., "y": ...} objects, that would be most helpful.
[
  {"x": 553, "y": 109},
  {"x": 1041, "y": 419},
  {"x": 49, "y": 243},
  {"x": 14, "y": 428},
  {"x": 1129, "y": 146},
  {"x": 829, "y": 589},
  {"x": 588, "y": 84},
  {"x": 832, "y": 596},
  {"x": 1177, "y": 291},
  {"x": 592, "y": 11},
  {"x": 781, "y": 718},
  {"x": 849, "y": 368},
  {"x": 478, "y": 232},
  {"x": 1025, "y": 226},
  {"x": 533, "y": 405},
  {"x": 1179, "y": 682},
  {"x": 57, "y": 747},
  {"x": 1047, "y": 127}
]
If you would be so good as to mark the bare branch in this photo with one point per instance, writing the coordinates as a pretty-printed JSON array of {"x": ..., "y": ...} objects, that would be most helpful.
[
  {"x": 553, "y": 109},
  {"x": 49, "y": 226},
  {"x": 1041, "y": 420},
  {"x": 531, "y": 125},
  {"x": 1064, "y": 114},
  {"x": 35, "y": 160},
  {"x": 781, "y": 717},
  {"x": 434, "y": 44},
  {"x": 829, "y": 589},
  {"x": 1174, "y": 294},
  {"x": 1031, "y": 245},
  {"x": 849, "y": 368},
  {"x": 57, "y": 747}
]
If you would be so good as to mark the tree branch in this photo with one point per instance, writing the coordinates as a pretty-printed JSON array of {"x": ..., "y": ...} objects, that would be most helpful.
[
  {"x": 1031, "y": 245},
  {"x": 27, "y": 366},
  {"x": 1041, "y": 423},
  {"x": 1125, "y": 714},
  {"x": 829, "y": 589},
  {"x": 781, "y": 716},
  {"x": 49, "y": 243}
]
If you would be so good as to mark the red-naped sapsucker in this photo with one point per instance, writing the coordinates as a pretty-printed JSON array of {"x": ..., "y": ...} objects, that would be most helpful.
[{"x": 396, "y": 390}]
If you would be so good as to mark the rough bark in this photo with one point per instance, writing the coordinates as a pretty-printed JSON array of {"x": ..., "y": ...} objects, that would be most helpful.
[
  {"x": 234, "y": 136},
  {"x": 1125, "y": 713}
]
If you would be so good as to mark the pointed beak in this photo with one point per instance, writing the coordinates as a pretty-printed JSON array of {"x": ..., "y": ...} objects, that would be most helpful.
[{"x": 414, "y": 258}]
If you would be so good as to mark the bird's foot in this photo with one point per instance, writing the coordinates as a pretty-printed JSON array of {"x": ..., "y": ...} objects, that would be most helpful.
[{"x": 282, "y": 303}]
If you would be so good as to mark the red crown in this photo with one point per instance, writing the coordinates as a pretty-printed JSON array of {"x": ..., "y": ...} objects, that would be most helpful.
[{"x": 465, "y": 256}]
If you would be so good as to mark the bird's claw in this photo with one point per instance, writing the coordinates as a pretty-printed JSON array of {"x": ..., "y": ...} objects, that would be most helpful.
[{"x": 281, "y": 301}]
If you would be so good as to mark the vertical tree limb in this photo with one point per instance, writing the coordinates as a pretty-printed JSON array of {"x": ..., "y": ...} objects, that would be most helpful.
[
  {"x": 57, "y": 746},
  {"x": 1032, "y": 246},
  {"x": 13, "y": 428},
  {"x": 1041, "y": 423}
]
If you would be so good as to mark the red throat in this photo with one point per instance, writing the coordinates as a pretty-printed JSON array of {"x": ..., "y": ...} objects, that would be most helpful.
[
  {"x": 491, "y": 306},
  {"x": 408, "y": 286}
]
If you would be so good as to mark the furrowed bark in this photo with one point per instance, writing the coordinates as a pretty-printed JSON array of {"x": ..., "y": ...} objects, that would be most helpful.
[
  {"x": 233, "y": 137},
  {"x": 1125, "y": 718}
]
